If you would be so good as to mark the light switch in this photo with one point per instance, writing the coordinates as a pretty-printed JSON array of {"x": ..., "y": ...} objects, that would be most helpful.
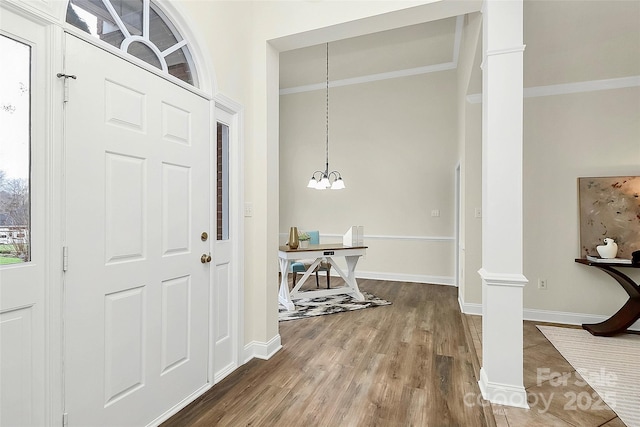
[
  {"x": 435, "y": 212},
  {"x": 478, "y": 213}
]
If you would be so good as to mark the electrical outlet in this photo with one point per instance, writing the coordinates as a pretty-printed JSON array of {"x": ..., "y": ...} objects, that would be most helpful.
[
  {"x": 477, "y": 213},
  {"x": 542, "y": 284},
  {"x": 248, "y": 209}
]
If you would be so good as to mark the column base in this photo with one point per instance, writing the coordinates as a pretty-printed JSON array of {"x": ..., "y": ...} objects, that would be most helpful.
[{"x": 502, "y": 394}]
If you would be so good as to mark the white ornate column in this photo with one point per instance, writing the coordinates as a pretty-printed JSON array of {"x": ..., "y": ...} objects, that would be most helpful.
[{"x": 502, "y": 246}]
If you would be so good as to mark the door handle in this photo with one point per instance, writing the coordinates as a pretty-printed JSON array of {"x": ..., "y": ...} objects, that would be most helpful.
[{"x": 205, "y": 258}]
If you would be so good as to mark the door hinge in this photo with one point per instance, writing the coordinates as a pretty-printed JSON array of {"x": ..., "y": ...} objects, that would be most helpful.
[
  {"x": 66, "y": 78},
  {"x": 65, "y": 419},
  {"x": 65, "y": 258}
]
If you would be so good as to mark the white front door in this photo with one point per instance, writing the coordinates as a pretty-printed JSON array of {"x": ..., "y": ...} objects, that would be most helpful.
[
  {"x": 23, "y": 203},
  {"x": 136, "y": 290}
]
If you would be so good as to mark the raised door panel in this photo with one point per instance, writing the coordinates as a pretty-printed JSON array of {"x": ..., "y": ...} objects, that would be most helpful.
[
  {"x": 176, "y": 209},
  {"x": 176, "y": 323},
  {"x": 124, "y": 347},
  {"x": 124, "y": 107},
  {"x": 16, "y": 354},
  {"x": 125, "y": 207},
  {"x": 176, "y": 124}
]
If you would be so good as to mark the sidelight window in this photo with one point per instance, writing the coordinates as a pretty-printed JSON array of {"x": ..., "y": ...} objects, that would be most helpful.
[
  {"x": 222, "y": 202},
  {"x": 15, "y": 150}
]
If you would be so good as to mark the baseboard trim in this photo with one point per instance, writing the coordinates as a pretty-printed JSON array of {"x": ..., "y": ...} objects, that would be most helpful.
[
  {"x": 567, "y": 318},
  {"x": 262, "y": 350},
  {"x": 470, "y": 308},
  {"x": 397, "y": 277},
  {"x": 400, "y": 277},
  {"x": 549, "y": 316}
]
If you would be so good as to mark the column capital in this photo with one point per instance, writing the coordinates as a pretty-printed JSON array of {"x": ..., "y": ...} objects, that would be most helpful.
[{"x": 502, "y": 279}]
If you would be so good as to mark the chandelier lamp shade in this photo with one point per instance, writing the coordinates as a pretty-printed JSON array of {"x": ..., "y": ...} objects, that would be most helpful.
[{"x": 323, "y": 179}]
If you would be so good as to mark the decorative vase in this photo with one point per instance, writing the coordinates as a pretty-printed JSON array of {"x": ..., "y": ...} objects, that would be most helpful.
[
  {"x": 608, "y": 250},
  {"x": 304, "y": 244},
  {"x": 293, "y": 238}
]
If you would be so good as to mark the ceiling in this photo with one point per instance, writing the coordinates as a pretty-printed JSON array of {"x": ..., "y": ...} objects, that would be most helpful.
[
  {"x": 416, "y": 47},
  {"x": 566, "y": 41}
]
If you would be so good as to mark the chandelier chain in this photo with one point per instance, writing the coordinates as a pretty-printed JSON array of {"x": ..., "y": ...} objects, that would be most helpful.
[
  {"x": 327, "y": 114},
  {"x": 325, "y": 177}
]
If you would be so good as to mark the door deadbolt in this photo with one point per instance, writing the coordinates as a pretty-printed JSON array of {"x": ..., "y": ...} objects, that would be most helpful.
[{"x": 204, "y": 236}]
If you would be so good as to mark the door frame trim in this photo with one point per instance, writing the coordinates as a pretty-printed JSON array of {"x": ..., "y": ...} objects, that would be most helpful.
[
  {"x": 50, "y": 155},
  {"x": 236, "y": 221}
]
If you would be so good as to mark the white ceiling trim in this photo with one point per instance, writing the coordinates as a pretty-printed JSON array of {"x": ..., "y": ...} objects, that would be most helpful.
[
  {"x": 391, "y": 74},
  {"x": 568, "y": 88},
  {"x": 371, "y": 78}
]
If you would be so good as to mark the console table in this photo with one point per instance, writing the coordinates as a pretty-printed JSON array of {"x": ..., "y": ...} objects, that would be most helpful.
[
  {"x": 319, "y": 252},
  {"x": 630, "y": 311}
]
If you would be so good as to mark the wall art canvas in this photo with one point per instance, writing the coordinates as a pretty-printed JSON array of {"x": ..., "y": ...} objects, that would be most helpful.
[{"x": 609, "y": 207}]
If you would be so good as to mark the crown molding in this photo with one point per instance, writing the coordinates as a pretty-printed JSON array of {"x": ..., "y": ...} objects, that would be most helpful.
[
  {"x": 391, "y": 74},
  {"x": 371, "y": 78},
  {"x": 569, "y": 88}
]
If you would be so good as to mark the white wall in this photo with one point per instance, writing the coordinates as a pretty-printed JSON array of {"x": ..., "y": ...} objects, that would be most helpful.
[
  {"x": 566, "y": 136},
  {"x": 396, "y": 151},
  {"x": 264, "y": 28},
  {"x": 469, "y": 143}
]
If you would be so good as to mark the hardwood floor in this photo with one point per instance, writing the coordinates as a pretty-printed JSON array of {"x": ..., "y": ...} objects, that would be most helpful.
[
  {"x": 554, "y": 400},
  {"x": 406, "y": 364}
]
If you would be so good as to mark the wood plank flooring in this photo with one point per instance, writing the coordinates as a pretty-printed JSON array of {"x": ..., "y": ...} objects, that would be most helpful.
[
  {"x": 558, "y": 397},
  {"x": 406, "y": 364}
]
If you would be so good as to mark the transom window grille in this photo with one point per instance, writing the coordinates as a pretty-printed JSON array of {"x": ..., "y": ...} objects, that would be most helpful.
[{"x": 139, "y": 28}]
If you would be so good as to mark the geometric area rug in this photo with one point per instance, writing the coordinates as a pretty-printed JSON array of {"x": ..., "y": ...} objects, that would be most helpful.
[
  {"x": 309, "y": 307},
  {"x": 610, "y": 365}
]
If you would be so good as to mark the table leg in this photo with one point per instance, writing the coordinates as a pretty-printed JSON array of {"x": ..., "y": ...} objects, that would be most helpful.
[
  {"x": 627, "y": 315},
  {"x": 283, "y": 295},
  {"x": 619, "y": 322},
  {"x": 351, "y": 277}
]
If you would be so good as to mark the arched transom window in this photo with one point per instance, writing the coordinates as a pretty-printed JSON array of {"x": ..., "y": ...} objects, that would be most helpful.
[{"x": 139, "y": 28}]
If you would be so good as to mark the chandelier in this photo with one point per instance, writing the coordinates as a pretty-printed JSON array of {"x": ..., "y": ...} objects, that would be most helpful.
[{"x": 321, "y": 180}]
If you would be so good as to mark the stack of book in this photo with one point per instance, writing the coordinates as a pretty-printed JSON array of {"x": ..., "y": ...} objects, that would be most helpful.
[
  {"x": 608, "y": 260},
  {"x": 354, "y": 236}
]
